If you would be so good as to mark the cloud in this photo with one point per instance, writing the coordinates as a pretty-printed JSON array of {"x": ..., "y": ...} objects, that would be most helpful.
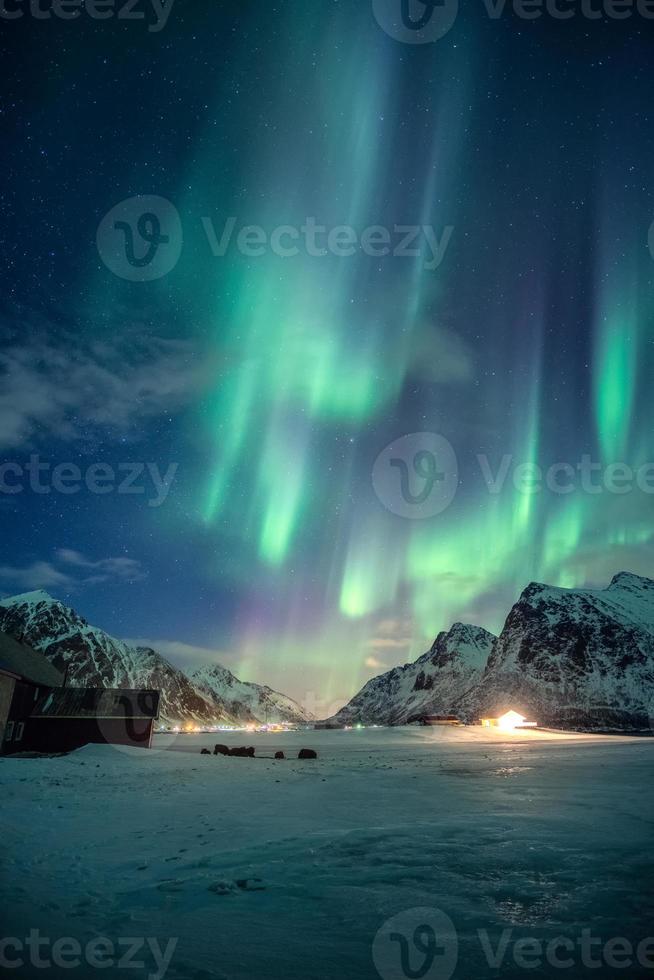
[
  {"x": 38, "y": 575},
  {"x": 388, "y": 642},
  {"x": 63, "y": 389},
  {"x": 391, "y": 634},
  {"x": 107, "y": 568},
  {"x": 441, "y": 355},
  {"x": 70, "y": 571},
  {"x": 391, "y": 640}
]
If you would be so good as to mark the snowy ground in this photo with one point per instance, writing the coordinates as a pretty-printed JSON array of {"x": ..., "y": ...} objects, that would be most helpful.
[{"x": 539, "y": 836}]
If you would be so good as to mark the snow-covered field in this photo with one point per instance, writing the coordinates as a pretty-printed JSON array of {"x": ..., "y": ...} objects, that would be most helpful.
[{"x": 265, "y": 869}]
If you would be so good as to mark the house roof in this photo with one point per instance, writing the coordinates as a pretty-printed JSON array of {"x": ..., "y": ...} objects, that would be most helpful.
[
  {"x": 24, "y": 662},
  {"x": 97, "y": 702}
]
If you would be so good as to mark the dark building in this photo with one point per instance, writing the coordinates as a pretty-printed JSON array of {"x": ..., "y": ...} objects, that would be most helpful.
[
  {"x": 39, "y": 714},
  {"x": 440, "y": 720},
  {"x": 434, "y": 720},
  {"x": 68, "y": 717},
  {"x": 25, "y": 676}
]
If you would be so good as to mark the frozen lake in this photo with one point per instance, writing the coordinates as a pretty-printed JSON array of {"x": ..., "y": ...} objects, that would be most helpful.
[{"x": 292, "y": 869}]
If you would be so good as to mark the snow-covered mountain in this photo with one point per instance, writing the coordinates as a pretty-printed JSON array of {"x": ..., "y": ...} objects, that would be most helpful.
[
  {"x": 567, "y": 658},
  {"x": 91, "y": 657},
  {"x": 574, "y": 658},
  {"x": 430, "y": 685},
  {"x": 244, "y": 700}
]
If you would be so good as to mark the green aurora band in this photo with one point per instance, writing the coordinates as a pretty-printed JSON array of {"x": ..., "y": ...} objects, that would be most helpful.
[{"x": 321, "y": 361}]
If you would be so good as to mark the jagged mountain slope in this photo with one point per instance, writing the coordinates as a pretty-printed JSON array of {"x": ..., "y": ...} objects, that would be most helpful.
[
  {"x": 574, "y": 658},
  {"x": 91, "y": 657},
  {"x": 430, "y": 685},
  {"x": 244, "y": 700}
]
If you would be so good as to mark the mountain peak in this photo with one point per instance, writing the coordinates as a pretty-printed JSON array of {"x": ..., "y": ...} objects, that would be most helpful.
[
  {"x": 629, "y": 580},
  {"x": 93, "y": 658},
  {"x": 429, "y": 685},
  {"x": 468, "y": 631},
  {"x": 622, "y": 580},
  {"x": 29, "y": 598},
  {"x": 210, "y": 670},
  {"x": 534, "y": 588},
  {"x": 575, "y": 658},
  {"x": 244, "y": 699}
]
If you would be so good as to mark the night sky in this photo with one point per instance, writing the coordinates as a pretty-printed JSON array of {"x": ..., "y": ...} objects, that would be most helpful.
[{"x": 272, "y": 383}]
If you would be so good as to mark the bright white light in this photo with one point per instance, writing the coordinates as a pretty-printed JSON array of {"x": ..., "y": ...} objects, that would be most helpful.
[{"x": 512, "y": 720}]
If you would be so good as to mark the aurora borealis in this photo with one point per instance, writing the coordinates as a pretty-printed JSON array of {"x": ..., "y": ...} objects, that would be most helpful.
[{"x": 275, "y": 381}]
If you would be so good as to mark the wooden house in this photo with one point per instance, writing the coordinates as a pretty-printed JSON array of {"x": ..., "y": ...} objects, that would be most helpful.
[
  {"x": 39, "y": 714},
  {"x": 441, "y": 720},
  {"x": 25, "y": 677},
  {"x": 68, "y": 717}
]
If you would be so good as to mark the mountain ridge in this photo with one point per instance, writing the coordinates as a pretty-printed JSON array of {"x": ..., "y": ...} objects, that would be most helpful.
[
  {"x": 244, "y": 699},
  {"x": 567, "y": 658},
  {"x": 89, "y": 656},
  {"x": 440, "y": 676},
  {"x": 576, "y": 658}
]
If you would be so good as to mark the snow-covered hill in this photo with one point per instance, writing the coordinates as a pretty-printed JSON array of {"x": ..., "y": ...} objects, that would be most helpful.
[
  {"x": 91, "y": 657},
  {"x": 244, "y": 700},
  {"x": 430, "y": 685},
  {"x": 574, "y": 658}
]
